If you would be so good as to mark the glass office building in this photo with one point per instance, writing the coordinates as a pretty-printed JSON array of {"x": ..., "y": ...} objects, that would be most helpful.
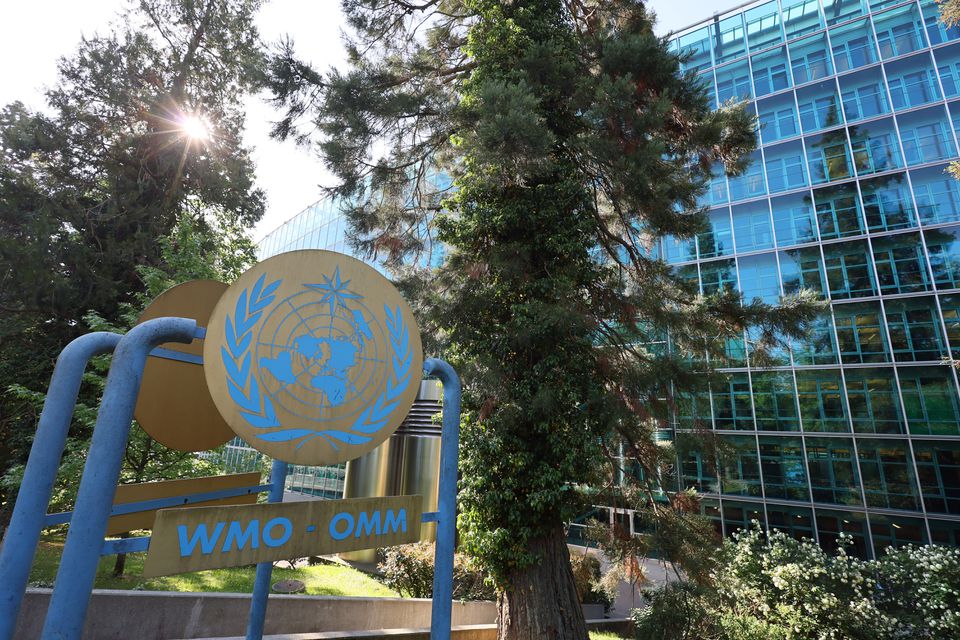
[{"x": 857, "y": 428}]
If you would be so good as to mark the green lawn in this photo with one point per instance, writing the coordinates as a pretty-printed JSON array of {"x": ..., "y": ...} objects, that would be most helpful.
[
  {"x": 604, "y": 635},
  {"x": 321, "y": 580}
]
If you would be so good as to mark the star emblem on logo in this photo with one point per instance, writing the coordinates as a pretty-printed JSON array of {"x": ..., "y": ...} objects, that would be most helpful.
[{"x": 335, "y": 291}]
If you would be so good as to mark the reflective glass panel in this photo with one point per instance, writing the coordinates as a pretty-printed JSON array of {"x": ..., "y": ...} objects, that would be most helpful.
[
  {"x": 718, "y": 275},
  {"x": 750, "y": 183},
  {"x": 829, "y": 157},
  {"x": 741, "y": 466},
  {"x": 830, "y": 524},
  {"x": 759, "y": 278},
  {"x": 860, "y": 333},
  {"x": 950, "y": 309},
  {"x": 886, "y": 203},
  {"x": 778, "y": 118},
  {"x": 864, "y": 95},
  {"x": 930, "y": 400},
  {"x": 810, "y": 59},
  {"x": 800, "y": 17},
  {"x": 833, "y": 471},
  {"x": 695, "y": 48},
  {"x": 718, "y": 239},
  {"x": 819, "y": 106},
  {"x": 741, "y": 515},
  {"x": 770, "y": 71},
  {"x": 901, "y": 267},
  {"x": 948, "y": 65},
  {"x": 899, "y": 31},
  {"x": 784, "y": 472},
  {"x": 853, "y": 45},
  {"x": 774, "y": 401},
  {"x": 896, "y": 531},
  {"x": 751, "y": 226},
  {"x": 678, "y": 249},
  {"x": 937, "y": 32},
  {"x": 785, "y": 170},
  {"x": 733, "y": 82},
  {"x": 849, "y": 270},
  {"x": 936, "y": 194},
  {"x": 793, "y": 219},
  {"x": 926, "y": 135},
  {"x": 887, "y": 470},
  {"x": 938, "y": 464},
  {"x": 943, "y": 246},
  {"x": 944, "y": 532},
  {"x": 838, "y": 211},
  {"x": 875, "y": 147},
  {"x": 763, "y": 26},
  {"x": 803, "y": 269},
  {"x": 915, "y": 332},
  {"x": 912, "y": 81},
  {"x": 837, "y": 11},
  {"x": 732, "y": 408},
  {"x": 818, "y": 347},
  {"x": 822, "y": 403},
  {"x": 796, "y": 522},
  {"x": 728, "y": 39},
  {"x": 698, "y": 468},
  {"x": 874, "y": 401}
]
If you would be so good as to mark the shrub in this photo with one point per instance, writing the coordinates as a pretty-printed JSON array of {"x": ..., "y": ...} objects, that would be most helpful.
[
  {"x": 675, "y": 611},
  {"x": 589, "y": 580},
  {"x": 408, "y": 569}
]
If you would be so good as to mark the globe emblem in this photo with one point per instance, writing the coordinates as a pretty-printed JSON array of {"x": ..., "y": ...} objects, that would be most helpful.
[{"x": 319, "y": 351}]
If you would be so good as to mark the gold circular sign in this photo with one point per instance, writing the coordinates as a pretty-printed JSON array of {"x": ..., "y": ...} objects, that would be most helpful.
[
  {"x": 313, "y": 357},
  {"x": 174, "y": 405}
]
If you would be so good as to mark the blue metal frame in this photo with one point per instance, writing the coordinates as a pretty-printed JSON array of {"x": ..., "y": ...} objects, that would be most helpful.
[
  {"x": 20, "y": 542},
  {"x": 94, "y": 505},
  {"x": 447, "y": 501},
  {"x": 81, "y": 552}
]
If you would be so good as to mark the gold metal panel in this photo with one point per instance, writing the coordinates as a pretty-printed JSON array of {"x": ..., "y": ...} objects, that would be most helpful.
[
  {"x": 313, "y": 357},
  {"x": 174, "y": 405},
  {"x": 139, "y": 492},
  {"x": 187, "y": 540}
]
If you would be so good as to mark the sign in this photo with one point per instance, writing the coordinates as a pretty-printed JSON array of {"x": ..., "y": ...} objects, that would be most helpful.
[
  {"x": 313, "y": 357},
  {"x": 174, "y": 405},
  {"x": 142, "y": 491},
  {"x": 187, "y": 540}
]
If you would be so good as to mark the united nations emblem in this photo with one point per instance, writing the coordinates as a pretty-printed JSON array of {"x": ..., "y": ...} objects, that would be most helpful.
[{"x": 313, "y": 357}]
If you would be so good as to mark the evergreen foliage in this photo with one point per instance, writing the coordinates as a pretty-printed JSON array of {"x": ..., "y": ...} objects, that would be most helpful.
[
  {"x": 89, "y": 187},
  {"x": 575, "y": 143}
]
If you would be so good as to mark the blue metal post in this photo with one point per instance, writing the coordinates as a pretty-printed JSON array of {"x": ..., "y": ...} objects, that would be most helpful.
[
  {"x": 20, "y": 541},
  {"x": 447, "y": 500},
  {"x": 261, "y": 584},
  {"x": 81, "y": 553}
]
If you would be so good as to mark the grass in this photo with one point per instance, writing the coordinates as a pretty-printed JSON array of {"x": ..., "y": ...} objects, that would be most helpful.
[
  {"x": 604, "y": 635},
  {"x": 320, "y": 580}
]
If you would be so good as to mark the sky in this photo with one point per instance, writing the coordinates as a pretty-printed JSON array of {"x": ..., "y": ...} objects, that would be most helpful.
[{"x": 34, "y": 34}]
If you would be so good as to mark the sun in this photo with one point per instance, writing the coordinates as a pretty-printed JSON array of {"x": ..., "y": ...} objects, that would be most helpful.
[{"x": 195, "y": 128}]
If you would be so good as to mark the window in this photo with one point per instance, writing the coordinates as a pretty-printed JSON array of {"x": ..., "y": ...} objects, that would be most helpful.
[
  {"x": 874, "y": 401},
  {"x": 950, "y": 309},
  {"x": 899, "y": 31},
  {"x": 749, "y": 184},
  {"x": 849, "y": 272},
  {"x": 729, "y": 40},
  {"x": 809, "y": 59},
  {"x": 863, "y": 95},
  {"x": 819, "y": 107},
  {"x": 937, "y": 196},
  {"x": 829, "y": 157},
  {"x": 759, "y": 279},
  {"x": 937, "y": 32},
  {"x": 733, "y": 82},
  {"x": 801, "y": 17},
  {"x": 802, "y": 269},
  {"x": 901, "y": 267},
  {"x": 886, "y": 203},
  {"x": 784, "y": 164},
  {"x": 698, "y": 468},
  {"x": 915, "y": 330},
  {"x": 718, "y": 240},
  {"x": 837, "y": 11},
  {"x": 853, "y": 46},
  {"x": 732, "y": 408},
  {"x": 887, "y": 470},
  {"x": 943, "y": 247},
  {"x": 875, "y": 147},
  {"x": 763, "y": 26},
  {"x": 741, "y": 467},
  {"x": 833, "y": 471},
  {"x": 838, "y": 211},
  {"x": 860, "y": 333},
  {"x": 770, "y": 72},
  {"x": 830, "y": 524},
  {"x": 948, "y": 65},
  {"x": 930, "y": 400},
  {"x": 796, "y": 522},
  {"x": 784, "y": 473},
  {"x": 926, "y": 135},
  {"x": 774, "y": 401},
  {"x": 718, "y": 275},
  {"x": 938, "y": 465},
  {"x": 778, "y": 118},
  {"x": 793, "y": 220},
  {"x": 818, "y": 346},
  {"x": 912, "y": 82},
  {"x": 696, "y": 45},
  {"x": 751, "y": 226},
  {"x": 821, "y": 397},
  {"x": 678, "y": 250}
]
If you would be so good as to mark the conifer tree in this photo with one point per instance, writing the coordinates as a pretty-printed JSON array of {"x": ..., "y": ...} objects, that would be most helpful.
[{"x": 575, "y": 143}]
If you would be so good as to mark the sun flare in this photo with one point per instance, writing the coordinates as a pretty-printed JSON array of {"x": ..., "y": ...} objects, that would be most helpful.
[{"x": 195, "y": 128}]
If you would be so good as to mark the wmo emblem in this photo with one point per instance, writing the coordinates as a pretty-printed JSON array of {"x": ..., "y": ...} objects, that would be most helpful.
[{"x": 313, "y": 357}]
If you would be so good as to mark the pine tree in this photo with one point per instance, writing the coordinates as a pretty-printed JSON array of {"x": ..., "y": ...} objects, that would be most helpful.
[
  {"x": 575, "y": 144},
  {"x": 89, "y": 187}
]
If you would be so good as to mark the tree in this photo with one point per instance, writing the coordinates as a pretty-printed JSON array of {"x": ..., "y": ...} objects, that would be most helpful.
[
  {"x": 142, "y": 134},
  {"x": 575, "y": 143}
]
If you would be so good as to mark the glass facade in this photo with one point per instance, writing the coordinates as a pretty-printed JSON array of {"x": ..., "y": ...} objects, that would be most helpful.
[{"x": 856, "y": 428}]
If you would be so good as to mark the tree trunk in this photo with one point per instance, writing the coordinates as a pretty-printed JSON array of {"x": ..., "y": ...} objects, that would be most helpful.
[
  {"x": 542, "y": 602},
  {"x": 121, "y": 562}
]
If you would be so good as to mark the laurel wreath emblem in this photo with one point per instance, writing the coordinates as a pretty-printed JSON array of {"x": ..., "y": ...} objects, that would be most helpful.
[{"x": 257, "y": 408}]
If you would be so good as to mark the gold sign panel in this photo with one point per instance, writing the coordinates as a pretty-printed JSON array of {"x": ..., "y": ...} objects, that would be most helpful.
[
  {"x": 187, "y": 540},
  {"x": 174, "y": 405},
  {"x": 142, "y": 491},
  {"x": 313, "y": 357}
]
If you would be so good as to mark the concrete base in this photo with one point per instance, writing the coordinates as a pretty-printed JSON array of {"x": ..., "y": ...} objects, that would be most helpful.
[{"x": 162, "y": 615}]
